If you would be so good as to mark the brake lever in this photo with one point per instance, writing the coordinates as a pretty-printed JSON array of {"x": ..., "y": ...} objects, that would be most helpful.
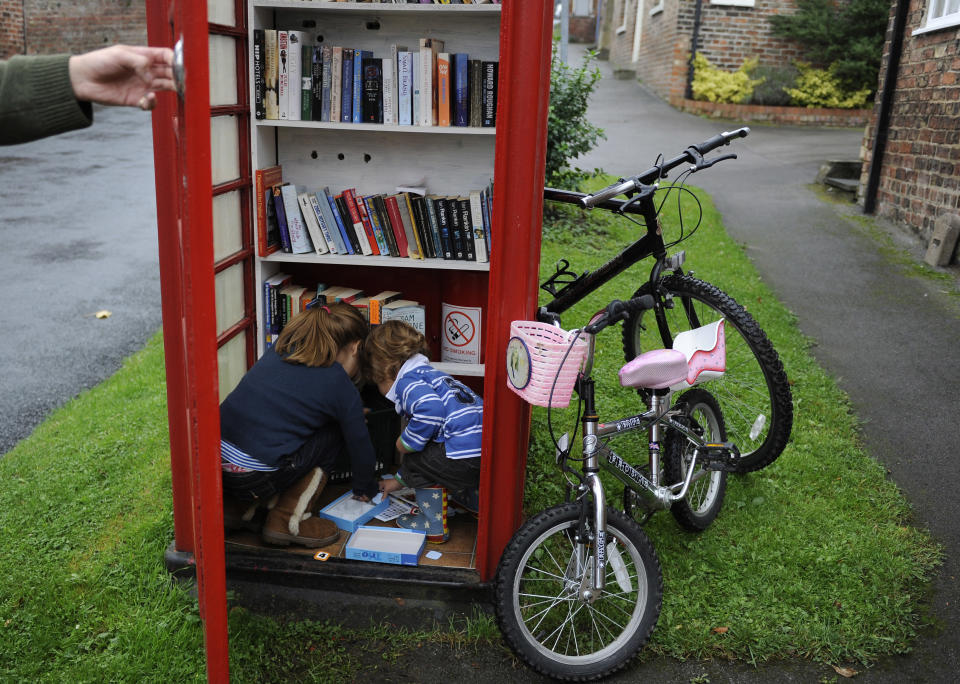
[{"x": 706, "y": 164}]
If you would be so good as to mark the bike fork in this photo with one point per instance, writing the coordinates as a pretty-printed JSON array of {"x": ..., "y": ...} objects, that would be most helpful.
[{"x": 589, "y": 592}]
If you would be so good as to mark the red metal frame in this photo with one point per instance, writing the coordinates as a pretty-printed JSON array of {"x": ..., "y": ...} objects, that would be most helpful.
[{"x": 184, "y": 213}]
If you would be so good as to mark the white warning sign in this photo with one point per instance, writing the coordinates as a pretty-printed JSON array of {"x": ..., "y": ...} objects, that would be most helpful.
[{"x": 460, "y": 338}]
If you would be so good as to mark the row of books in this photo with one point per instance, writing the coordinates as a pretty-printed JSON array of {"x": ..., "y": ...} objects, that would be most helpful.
[
  {"x": 408, "y": 223},
  {"x": 283, "y": 299},
  {"x": 295, "y": 80},
  {"x": 425, "y": 2}
]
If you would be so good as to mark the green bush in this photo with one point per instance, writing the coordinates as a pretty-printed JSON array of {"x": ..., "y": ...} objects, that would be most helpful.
[
  {"x": 716, "y": 85},
  {"x": 847, "y": 36},
  {"x": 772, "y": 90},
  {"x": 823, "y": 88},
  {"x": 569, "y": 132}
]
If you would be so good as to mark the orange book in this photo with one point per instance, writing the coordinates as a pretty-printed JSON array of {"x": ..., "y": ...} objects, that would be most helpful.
[{"x": 443, "y": 89}]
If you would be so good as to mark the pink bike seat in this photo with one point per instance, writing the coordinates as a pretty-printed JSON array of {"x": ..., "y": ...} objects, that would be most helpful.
[{"x": 656, "y": 369}]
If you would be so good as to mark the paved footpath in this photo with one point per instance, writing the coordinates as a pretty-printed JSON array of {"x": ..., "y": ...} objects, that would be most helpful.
[{"x": 890, "y": 339}]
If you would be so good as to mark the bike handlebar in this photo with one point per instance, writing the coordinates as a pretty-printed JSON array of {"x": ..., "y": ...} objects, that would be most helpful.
[
  {"x": 693, "y": 154},
  {"x": 618, "y": 310}
]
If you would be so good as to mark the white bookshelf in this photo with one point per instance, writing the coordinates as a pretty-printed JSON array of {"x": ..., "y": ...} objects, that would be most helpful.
[{"x": 376, "y": 158}]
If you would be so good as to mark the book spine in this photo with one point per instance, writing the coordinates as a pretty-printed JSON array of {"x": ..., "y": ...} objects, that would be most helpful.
[
  {"x": 358, "y": 85},
  {"x": 338, "y": 219},
  {"x": 270, "y": 72},
  {"x": 429, "y": 204},
  {"x": 267, "y": 332},
  {"x": 456, "y": 232},
  {"x": 410, "y": 226},
  {"x": 476, "y": 92},
  {"x": 348, "y": 223},
  {"x": 358, "y": 226},
  {"x": 306, "y": 83},
  {"x": 396, "y": 222},
  {"x": 391, "y": 241},
  {"x": 405, "y": 88},
  {"x": 283, "y": 75},
  {"x": 425, "y": 117},
  {"x": 485, "y": 207},
  {"x": 489, "y": 104},
  {"x": 323, "y": 200},
  {"x": 316, "y": 82},
  {"x": 389, "y": 92},
  {"x": 443, "y": 219},
  {"x": 258, "y": 77},
  {"x": 294, "y": 74},
  {"x": 367, "y": 222},
  {"x": 395, "y": 81},
  {"x": 326, "y": 83},
  {"x": 476, "y": 221},
  {"x": 281, "y": 218},
  {"x": 322, "y": 223},
  {"x": 262, "y": 227},
  {"x": 336, "y": 81},
  {"x": 416, "y": 79},
  {"x": 461, "y": 90},
  {"x": 374, "y": 219},
  {"x": 420, "y": 215},
  {"x": 346, "y": 87},
  {"x": 443, "y": 89},
  {"x": 313, "y": 226},
  {"x": 372, "y": 90},
  {"x": 299, "y": 239},
  {"x": 466, "y": 227}
]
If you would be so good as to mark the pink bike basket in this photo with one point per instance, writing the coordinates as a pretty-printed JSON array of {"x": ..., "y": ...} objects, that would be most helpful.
[{"x": 535, "y": 362}]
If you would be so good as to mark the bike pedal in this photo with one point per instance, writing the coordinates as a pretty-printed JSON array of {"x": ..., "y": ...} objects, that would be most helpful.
[{"x": 724, "y": 457}]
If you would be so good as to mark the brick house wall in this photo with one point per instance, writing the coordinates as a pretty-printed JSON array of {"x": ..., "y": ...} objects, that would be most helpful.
[
  {"x": 40, "y": 27},
  {"x": 920, "y": 173},
  {"x": 729, "y": 34}
]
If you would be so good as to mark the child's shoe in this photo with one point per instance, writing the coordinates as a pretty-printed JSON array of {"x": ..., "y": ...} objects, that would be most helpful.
[
  {"x": 467, "y": 498},
  {"x": 430, "y": 515},
  {"x": 240, "y": 515}
]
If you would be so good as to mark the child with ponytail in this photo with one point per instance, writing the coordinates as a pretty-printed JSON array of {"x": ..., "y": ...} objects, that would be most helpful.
[
  {"x": 440, "y": 441},
  {"x": 290, "y": 416}
]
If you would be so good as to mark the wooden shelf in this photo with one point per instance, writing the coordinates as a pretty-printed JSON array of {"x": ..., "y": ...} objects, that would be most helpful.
[
  {"x": 379, "y": 128},
  {"x": 461, "y": 369}
]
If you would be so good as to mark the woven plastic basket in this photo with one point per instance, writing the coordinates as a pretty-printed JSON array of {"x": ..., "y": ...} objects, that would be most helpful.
[{"x": 535, "y": 362}]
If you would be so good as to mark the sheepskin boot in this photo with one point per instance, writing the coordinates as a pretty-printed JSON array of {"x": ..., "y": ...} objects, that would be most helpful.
[
  {"x": 430, "y": 515},
  {"x": 291, "y": 520}
]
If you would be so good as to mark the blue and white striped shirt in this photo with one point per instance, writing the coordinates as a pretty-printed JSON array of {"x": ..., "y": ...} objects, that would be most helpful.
[{"x": 440, "y": 409}]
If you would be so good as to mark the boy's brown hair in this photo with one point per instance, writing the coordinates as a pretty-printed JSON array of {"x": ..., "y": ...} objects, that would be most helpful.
[
  {"x": 314, "y": 337},
  {"x": 388, "y": 347}
]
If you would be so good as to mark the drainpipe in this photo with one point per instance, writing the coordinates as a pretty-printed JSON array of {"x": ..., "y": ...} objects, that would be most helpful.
[
  {"x": 688, "y": 92},
  {"x": 886, "y": 104}
]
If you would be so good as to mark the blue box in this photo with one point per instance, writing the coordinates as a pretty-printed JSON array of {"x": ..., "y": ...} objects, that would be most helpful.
[
  {"x": 386, "y": 545},
  {"x": 350, "y": 514}
]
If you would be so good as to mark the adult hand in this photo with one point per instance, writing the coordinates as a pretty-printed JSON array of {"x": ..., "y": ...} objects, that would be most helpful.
[{"x": 122, "y": 75}]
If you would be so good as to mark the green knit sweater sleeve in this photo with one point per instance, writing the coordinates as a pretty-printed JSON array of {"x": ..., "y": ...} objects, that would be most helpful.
[{"x": 37, "y": 100}]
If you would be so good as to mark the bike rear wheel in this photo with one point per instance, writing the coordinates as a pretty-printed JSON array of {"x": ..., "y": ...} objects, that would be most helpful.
[
  {"x": 753, "y": 393},
  {"x": 705, "y": 496},
  {"x": 538, "y": 600}
]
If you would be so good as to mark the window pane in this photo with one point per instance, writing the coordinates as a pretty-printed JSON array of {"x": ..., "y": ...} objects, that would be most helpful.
[
  {"x": 227, "y": 227},
  {"x": 229, "y": 286},
  {"x": 232, "y": 362},
  {"x": 222, "y": 12},
  {"x": 224, "y": 149},
  {"x": 223, "y": 70}
]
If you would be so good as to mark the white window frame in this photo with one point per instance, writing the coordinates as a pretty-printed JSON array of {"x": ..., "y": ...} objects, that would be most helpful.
[
  {"x": 622, "y": 6},
  {"x": 937, "y": 17},
  {"x": 656, "y": 9},
  {"x": 734, "y": 3}
]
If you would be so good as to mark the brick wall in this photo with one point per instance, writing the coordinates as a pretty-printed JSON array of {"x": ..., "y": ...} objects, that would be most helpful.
[
  {"x": 728, "y": 36},
  {"x": 920, "y": 177},
  {"x": 51, "y": 26},
  {"x": 11, "y": 28}
]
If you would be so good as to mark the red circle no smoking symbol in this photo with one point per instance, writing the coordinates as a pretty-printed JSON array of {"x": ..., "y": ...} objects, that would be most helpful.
[{"x": 458, "y": 329}]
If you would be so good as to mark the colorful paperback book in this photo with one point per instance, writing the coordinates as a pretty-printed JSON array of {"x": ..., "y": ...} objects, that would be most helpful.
[
  {"x": 358, "y": 83},
  {"x": 461, "y": 89},
  {"x": 396, "y": 224},
  {"x": 383, "y": 214},
  {"x": 346, "y": 95},
  {"x": 430, "y": 205},
  {"x": 283, "y": 75},
  {"x": 338, "y": 220},
  {"x": 281, "y": 214},
  {"x": 369, "y": 206},
  {"x": 341, "y": 205},
  {"x": 358, "y": 227},
  {"x": 443, "y": 89},
  {"x": 329, "y": 222},
  {"x": 366, "y": 221}
]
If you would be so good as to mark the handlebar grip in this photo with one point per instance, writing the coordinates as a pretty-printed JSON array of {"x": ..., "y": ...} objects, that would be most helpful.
[
  {"x": 590, "y": 201},
  {"x": 641, "y": 303},
  {"x": 721, "y": 139}
]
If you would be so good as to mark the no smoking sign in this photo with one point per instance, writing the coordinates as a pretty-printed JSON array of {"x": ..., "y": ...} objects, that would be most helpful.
[{"x": 461, "y": 334}]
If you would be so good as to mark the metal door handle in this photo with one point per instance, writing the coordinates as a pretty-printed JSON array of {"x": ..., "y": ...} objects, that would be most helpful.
[{"x": 178, "y": 70}]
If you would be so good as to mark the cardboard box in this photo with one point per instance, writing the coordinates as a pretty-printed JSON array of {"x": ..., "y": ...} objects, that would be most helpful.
[
  {"x": 350, "y": 514},
  {"x": 386, "y": 545}
]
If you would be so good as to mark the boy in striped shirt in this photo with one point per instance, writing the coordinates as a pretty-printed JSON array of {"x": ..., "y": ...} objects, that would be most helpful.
[{"x": 443, "y": 423}]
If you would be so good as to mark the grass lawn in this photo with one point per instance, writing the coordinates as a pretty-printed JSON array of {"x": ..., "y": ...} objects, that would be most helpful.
[{"x": 812, "y": 557}]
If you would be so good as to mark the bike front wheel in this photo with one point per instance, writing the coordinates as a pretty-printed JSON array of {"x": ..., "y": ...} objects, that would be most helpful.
[
  {"x": 701, "y": 505},
  {"x": 753, "y": 393},
  {"x": 539, "y": 602}
]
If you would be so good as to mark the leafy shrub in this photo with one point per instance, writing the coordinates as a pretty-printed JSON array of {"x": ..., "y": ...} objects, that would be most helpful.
[
  {"x": 822, "y": 88},
  {"x": 717, "y": 85},
  {"x": 848, "y": 36},
  {"x": 569, "y": 133},
  {"x": 772, "y": 90}
]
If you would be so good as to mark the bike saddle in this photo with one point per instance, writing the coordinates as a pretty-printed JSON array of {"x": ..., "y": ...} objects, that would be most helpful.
[{"x": 656, "y": 369}]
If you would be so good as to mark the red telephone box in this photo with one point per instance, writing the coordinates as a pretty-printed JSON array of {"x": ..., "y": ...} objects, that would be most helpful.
[{"x": 196, "y": 188}]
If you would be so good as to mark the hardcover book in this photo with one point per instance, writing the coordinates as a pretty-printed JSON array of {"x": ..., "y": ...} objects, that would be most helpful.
[
  {"x": 268, "y": 233},
  {"x": 372, "y": 90},
  {"x": 271, "y": 60}
]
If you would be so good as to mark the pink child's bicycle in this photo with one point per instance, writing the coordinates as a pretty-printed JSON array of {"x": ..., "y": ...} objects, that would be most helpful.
[{"x": 578, "y": 589}]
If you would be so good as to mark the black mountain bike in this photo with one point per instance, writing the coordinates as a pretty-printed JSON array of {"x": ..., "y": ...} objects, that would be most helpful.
[{"x": 754, "y": 394}]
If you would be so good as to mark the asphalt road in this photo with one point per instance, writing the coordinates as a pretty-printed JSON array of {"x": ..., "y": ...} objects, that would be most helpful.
[{"x": 78, "y": 229}]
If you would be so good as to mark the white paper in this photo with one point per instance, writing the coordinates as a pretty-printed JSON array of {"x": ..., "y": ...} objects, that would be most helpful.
[
  {"x": 396, "y": 508},
  {"x": 433, "y": 555}
]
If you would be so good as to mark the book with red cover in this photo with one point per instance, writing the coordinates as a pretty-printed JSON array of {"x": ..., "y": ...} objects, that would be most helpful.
[
  {"x": 268, "y": 237},
  {"x": 358, "y": 226},
  {"x": 364, "y": 220},
  {"x": 396, "y": 224}
]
